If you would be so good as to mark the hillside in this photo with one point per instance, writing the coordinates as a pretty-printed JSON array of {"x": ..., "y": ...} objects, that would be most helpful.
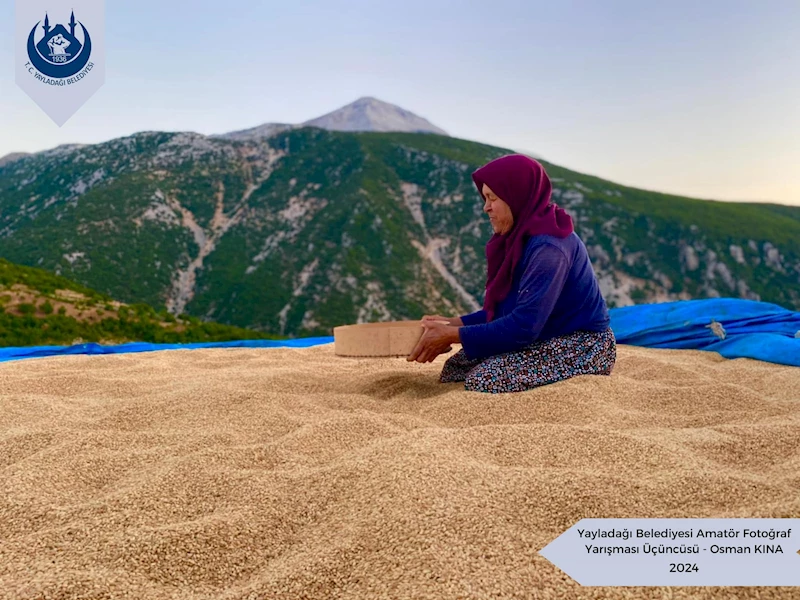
[
  {"x": 39, "y": 308},
  {"x": 296, "y": 233}
]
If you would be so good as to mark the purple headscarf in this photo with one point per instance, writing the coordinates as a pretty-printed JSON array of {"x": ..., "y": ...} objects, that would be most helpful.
[{"x": 523, "y": 184}]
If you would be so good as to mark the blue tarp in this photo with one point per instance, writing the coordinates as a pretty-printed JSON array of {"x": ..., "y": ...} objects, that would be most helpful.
[
  {"x": 92, "y": 348},
  {"x": 735, "y": 328}
]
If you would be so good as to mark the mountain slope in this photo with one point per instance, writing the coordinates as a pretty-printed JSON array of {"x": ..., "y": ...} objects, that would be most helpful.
[
  {"x": 12, "y": 157},
  {"x": 39, "y": 308},
  {"x": 261, "y": 131},
  {"x": 308, "y": 229}
]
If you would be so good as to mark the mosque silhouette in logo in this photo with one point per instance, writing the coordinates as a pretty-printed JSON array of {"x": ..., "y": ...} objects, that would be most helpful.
[{"x": 59, "y": 45}]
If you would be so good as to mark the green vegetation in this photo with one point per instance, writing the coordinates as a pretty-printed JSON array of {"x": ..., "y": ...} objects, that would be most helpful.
[
  {"x": 31, "y": 330},
  {"x": 35, "y": 324},
  {"x": 42, "y": 281},
  {"x": 312, "y": 229}
]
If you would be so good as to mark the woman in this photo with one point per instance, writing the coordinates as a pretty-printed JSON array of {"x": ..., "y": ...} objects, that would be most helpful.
[{"x": 543, "y": 318}]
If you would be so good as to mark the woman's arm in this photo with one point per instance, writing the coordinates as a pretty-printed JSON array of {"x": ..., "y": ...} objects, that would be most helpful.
[
  {"x": 475, "y": 318},
  {"x": 540, "y": 286}
]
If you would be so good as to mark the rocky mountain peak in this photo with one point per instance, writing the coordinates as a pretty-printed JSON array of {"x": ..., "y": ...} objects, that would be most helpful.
[
  {"x": 365, "y": 114},
  {"x": 370, "y": 114}
]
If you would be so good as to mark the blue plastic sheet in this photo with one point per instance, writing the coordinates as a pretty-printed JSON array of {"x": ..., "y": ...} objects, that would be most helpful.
[
  {"x": 735, "y": 328},
  {"x": 92, "y": 348}
]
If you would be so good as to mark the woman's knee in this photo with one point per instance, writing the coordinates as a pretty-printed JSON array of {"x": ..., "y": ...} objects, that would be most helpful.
[
  {"x": 480, "y": 379},
  {"x": 494, "y": 377},
  {"x": 607, "y": 356}
]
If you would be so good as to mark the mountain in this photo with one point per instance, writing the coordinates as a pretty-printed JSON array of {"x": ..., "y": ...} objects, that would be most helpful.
[
  {"x": 261, "y": 131},
  {"x": 371, "y": 114},
  {"x": 365, "y": 114},
  {"x": 308, "y": 229},
  {"x": 39, "y": 308},
  {"x": 12, "y": 157}
]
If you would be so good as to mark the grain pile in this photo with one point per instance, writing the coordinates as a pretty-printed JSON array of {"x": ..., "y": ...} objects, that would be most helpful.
[{"x": 233, "y": 474}]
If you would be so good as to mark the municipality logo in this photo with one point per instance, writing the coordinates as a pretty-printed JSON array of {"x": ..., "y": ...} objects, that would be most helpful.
[
  {"x": 57, "y": 56},
  {"x": 60, "y": 53}
]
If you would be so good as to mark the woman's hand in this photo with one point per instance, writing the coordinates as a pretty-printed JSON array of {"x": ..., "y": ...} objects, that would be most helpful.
[
  {"x": 454, "y": 321},
  {"x": 436, "y": 339}
]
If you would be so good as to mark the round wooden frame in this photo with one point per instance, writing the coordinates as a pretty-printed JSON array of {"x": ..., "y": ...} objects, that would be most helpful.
[{"x": 392, "y": 338}]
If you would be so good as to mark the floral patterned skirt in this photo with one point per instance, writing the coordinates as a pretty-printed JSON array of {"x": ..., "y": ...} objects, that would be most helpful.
[{"x": 548, "y": 361}]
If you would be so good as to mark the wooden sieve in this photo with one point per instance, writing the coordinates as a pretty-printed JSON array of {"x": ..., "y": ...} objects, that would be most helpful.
[{"x": 392, "y": 338}]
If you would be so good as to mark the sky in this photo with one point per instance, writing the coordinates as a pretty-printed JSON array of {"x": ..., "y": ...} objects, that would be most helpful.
[{"x": 700, "y": 99}]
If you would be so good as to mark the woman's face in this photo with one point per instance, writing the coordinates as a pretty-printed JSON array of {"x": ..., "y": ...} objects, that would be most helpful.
[{"x": 499, "y": 212}]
